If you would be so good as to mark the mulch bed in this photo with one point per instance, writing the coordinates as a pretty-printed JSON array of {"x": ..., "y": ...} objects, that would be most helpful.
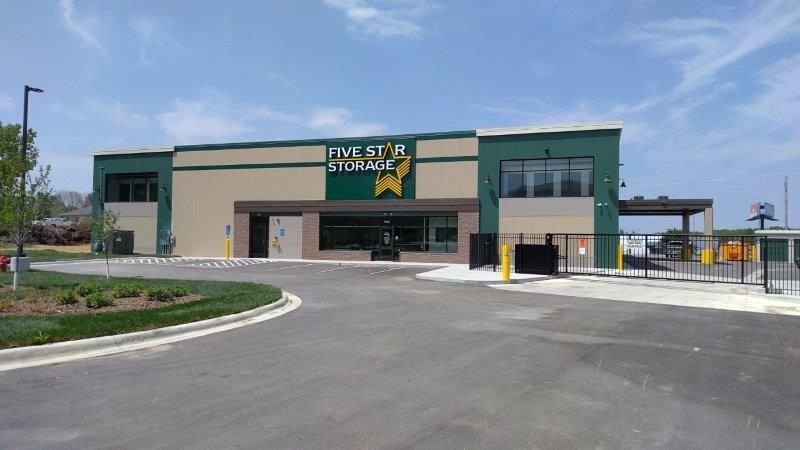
[{"x": 38, "y": 303}]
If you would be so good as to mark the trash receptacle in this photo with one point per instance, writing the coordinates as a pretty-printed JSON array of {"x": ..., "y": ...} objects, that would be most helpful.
[{"x": 122, "y": 243}]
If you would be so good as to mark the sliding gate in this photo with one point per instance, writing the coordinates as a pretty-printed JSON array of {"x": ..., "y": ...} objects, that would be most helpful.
[{"x": 753, "y": 260}]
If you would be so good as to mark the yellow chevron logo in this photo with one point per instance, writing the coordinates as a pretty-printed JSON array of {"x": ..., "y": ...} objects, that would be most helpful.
[{"x": 392, "y": 180}]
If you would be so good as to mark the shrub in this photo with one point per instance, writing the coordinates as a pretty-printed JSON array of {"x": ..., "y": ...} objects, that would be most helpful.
[
  {"x": 178, "y": 290},
  {"x": 89, "y": 287},
  {"x": 124, "y": 290},
  {"x": 158, "y": 294},
  {"x": 98, "y": 300},
  {"x": 65, "y": 297}
]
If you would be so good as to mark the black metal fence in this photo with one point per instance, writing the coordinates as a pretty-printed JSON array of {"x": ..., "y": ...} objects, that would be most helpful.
[{"x": 753, "y": 260}]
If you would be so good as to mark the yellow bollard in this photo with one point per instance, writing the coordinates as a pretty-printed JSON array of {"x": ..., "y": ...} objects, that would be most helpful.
[
  {"x": 708, "y": 256},
  {"x": 620, "y": 250},
  {"x": 506, "y": 264},
  {"x": 227, "y": 249}
]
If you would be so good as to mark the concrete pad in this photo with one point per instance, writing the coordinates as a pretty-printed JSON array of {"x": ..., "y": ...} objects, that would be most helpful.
[
  {"x": 731, "y": 297},
  {"x": 460, "y": 273}
]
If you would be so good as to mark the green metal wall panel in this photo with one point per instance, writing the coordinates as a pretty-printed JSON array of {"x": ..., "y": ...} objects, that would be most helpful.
[
  {"x": 363, "y": 184},
  {"x": 777, "y": 250},
  {"x": 602, "y": 145},
  {"x": 160, "y": 163}
]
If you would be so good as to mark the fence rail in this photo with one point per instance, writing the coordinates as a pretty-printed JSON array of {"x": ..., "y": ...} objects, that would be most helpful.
[{"x": 753, "y": 260}]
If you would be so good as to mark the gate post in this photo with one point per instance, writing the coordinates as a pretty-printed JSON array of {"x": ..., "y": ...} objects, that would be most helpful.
[
  {"x": 765, "y": 262},
  {"x": 743, "y": 258}
]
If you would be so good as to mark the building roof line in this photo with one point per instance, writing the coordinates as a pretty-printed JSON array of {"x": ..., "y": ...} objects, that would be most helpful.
[
  {"x": 555, "y": 128},
  {"x": 128, "y": 151}
]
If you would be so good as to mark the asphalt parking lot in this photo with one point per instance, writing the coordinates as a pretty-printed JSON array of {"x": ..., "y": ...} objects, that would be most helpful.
[{"x": 376, "y": 359}]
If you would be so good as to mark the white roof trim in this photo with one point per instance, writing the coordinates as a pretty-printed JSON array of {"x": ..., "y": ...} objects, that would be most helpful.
[
  {"x": 778, "y": 232},
  {"x": 558, "y": 128},
  {"x": 128, "y": 151}
]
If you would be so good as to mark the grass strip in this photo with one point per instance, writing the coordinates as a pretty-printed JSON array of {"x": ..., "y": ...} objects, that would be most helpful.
[
  {"x": 49, "y": 255},
  {"x": 219, "y": 298}
]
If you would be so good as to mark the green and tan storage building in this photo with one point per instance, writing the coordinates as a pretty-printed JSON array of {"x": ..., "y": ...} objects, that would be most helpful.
[{"x": 410, "y": 197}]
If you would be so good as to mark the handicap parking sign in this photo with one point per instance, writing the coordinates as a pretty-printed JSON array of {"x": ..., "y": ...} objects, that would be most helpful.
[
  {"x": 227, "y": 230},
  {"x": 282, "y": 232}
]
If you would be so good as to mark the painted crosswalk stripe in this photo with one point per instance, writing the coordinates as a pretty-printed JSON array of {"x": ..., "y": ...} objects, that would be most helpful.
[{"x": 387, "y": 270}]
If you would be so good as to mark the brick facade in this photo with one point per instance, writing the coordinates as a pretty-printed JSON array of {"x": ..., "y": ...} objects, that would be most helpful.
[
  {"x": 241, "y": 235},
  {"x": 467, "y": 224}
]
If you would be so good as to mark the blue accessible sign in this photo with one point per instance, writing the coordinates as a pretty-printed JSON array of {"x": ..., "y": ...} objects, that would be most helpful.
[{"x": 227, "y": 230}]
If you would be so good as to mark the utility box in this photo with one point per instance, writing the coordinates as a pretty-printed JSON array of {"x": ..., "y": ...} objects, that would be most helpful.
[
  {"x": 122, "y": 244},
  {"x": 536, "y": 259},
  {"x": 20, "y": 264}
]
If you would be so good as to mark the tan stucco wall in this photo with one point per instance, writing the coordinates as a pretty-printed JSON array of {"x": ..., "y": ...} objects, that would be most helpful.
[
  {"x": 139, "y": 218},
  {"x": 547, "y": 215},
  {"x": 290, "y": 245},
  {"x": 447, "y": 180},
  {"x": 202, "y": 202},
  {"x": 273, "y": 155},
  {"x": 447, "y": 147}
]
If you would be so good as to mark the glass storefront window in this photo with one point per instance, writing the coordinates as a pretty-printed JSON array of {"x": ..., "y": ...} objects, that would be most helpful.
[{"x": 412, "y": 233}]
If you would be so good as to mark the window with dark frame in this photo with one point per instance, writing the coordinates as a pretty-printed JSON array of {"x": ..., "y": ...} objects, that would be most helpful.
[
  {"x": 552, "y": 177},
  {"x": 138, "y": 187},
  {"x": 438, "y": 234}
]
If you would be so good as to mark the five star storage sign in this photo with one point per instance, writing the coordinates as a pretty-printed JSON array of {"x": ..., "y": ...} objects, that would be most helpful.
[{"x": 388, "y": 165}]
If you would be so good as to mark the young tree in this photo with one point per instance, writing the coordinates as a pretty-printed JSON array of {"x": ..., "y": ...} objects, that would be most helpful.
[
  {"x": 105, "y": 228},
  {"x": 25, "y": 194}
]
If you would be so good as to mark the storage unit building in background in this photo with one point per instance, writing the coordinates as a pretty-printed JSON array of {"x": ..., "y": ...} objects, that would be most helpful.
[{"x": 413, "y": 197}]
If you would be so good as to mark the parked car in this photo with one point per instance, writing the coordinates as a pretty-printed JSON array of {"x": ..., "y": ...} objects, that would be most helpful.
[{"x": 58, "y": 222}]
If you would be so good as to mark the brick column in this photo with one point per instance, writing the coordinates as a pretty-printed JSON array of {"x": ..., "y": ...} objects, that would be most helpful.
[
  {"x": 310, "y": 235},
  {"x": 241, "y": 235}
]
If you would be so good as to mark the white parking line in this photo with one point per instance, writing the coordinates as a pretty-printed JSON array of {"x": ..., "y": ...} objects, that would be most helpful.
[
  {"x": 338, "y": 268},
  {"x": 387, "y": 270},
  {"x": 288, "y": 267}
]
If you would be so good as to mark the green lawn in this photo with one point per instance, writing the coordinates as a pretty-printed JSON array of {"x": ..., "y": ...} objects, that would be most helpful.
[
  {"x": 48, "y": 255},
  {"x": 219, "y": 299}
]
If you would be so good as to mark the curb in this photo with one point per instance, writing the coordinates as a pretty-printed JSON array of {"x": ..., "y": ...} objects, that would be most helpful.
[
  {"x": 474, "y": 282},
  {"x": 15, "y": 358}
]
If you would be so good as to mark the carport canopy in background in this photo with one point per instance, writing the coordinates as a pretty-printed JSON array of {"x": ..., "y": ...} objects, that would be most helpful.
[{"x": 665, "y": 206}]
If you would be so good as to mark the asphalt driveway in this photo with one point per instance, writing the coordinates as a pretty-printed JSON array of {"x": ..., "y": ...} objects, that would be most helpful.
[{"x": 379, "y": 360}]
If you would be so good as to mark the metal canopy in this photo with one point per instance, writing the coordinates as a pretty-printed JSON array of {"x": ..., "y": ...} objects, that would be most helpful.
[{"x": 664, "y": 206}]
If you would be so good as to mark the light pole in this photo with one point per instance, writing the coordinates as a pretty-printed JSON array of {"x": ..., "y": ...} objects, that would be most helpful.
[{"x": 24, "y": 152}]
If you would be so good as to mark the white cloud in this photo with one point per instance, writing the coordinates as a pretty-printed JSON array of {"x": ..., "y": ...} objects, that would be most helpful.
[
  {"x": 215, "y": 117},
  {"x": 199, "y": 120},
  {"x": 779, "y": 102},
  {"x": 111, "y": 112},
  {"x": 118, "y": 114},
  {"x": 144, "y": 61},
  {"x": 151, "y": 33},
  {"x": 337, "y": 121},
  {"x": 84, "y": 28},
  {"x": 5, "y": 102},
  {"x": 370, "y": 21},
  {"x": 704, "y": 47}
]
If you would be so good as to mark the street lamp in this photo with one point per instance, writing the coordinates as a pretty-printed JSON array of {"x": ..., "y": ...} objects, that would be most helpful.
[{"x": 24, "y": 152}]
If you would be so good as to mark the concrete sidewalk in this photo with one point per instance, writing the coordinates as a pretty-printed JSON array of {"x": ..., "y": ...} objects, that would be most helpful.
[
  {"x": 733, "y": 297},
  {"x": 460, "y": 273}
]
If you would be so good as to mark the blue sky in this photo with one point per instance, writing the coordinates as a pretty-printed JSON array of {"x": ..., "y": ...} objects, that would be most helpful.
[{"x": 709, "y": 91}]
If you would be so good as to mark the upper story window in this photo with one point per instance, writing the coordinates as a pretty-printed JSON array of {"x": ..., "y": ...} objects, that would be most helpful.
[
  {"x": 136, "y": 187},
  {"x": 560, "y": 177}
]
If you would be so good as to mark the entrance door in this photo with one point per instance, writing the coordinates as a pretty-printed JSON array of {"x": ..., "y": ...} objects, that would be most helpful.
[
  {"x": 258, "y": 237},
  {"x": 387, "y": 239}
]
